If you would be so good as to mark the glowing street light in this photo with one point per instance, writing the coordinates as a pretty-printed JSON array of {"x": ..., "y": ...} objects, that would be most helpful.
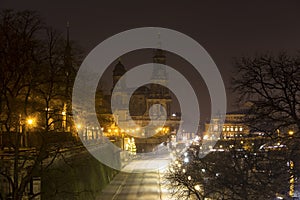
[
  {"x": 197, "y": 187},
  {"x": 291, "y": 133},
  {"x": 78, "y": 126},
  {"x": 30, "y": 121},
  {"x": 186, "y": 160}
]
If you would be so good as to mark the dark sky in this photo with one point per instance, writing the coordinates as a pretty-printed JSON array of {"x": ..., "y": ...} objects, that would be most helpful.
[{"x": 226, "y": 29}]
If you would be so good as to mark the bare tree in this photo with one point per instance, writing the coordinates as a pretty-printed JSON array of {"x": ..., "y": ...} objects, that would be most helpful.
[
  {"x": 272, "y": 85},
  {"x": 231, "y": 173},
  {"x": 33, "y": 81},
  {"x": 18, "y": 52},
  {"x": 242, "y": 169}
]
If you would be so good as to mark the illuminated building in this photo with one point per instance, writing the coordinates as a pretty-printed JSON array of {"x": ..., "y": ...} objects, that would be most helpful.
[
  {"x": 233, "y": 127},
  {"x": 142, "y": 99}
]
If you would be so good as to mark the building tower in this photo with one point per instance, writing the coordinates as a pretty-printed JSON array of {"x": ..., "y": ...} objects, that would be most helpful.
[
  {"x": 118, "y": 72},
  {"x": 120, "y": 94},
  {"x": 159, "y": 94},
  {"x": 69, "y": 73}
]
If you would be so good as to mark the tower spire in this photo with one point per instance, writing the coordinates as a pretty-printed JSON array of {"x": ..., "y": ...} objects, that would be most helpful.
[{"x": 68, "y": 55}]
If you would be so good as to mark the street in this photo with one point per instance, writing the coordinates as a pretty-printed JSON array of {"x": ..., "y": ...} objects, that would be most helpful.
[{"x": 144, "y": 182}]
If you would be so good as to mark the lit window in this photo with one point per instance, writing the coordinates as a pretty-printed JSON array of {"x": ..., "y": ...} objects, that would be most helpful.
[
  {"x": 241, "y": 128},
  {"x": 231, "y": 129},
  {"x": 227, "y": 128}
]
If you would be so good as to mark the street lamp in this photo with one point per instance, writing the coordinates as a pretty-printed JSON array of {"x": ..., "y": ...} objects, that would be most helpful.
[
  {"x": 78, "y": 130},
  {"x": 64, "y": 120},
  {"x": 186, "y": 160},
  {"x": 291, "y": 132},
  {"x": 30, "y": 121},
  {"x": 197, "y": 187}
]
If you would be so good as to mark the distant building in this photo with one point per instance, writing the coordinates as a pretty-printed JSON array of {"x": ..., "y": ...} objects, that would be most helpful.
[
  {"x": 233, "y": 126},
  {"x": 141, "y": 101}
]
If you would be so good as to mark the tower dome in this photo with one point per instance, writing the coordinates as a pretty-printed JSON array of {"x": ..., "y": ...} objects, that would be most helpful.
[{"x": 119, "y": 69}]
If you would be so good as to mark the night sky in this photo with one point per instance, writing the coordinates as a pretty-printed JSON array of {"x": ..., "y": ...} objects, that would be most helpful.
[{"x": 226, "y": 29}]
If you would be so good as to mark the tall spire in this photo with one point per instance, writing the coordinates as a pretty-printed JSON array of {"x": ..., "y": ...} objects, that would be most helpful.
[
  {"x": 159, "y": 74},
  {"x": 69, "y": 72},
  {"x": 159, "y": 54},
  {"x": 68, "y": 54}
]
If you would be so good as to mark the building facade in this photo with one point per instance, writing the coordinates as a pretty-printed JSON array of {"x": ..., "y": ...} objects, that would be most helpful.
[
  {"x": 233, "y": 127},
  {"x": 144, "y": 110}
]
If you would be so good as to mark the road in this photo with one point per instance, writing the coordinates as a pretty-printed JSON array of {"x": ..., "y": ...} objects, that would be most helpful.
[{"x": 143, "y": 181}]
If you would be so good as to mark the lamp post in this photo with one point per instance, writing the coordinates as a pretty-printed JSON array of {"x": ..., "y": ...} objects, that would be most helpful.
[
  {"x": 30, "y": 122},
  {"x": 86, "y": 133},
  {"x": 79, "y": 131},
  {"x": 123, "y": 145},
  {"x": 64, "y": 120},
  {"x": 291, "y": 132}
]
